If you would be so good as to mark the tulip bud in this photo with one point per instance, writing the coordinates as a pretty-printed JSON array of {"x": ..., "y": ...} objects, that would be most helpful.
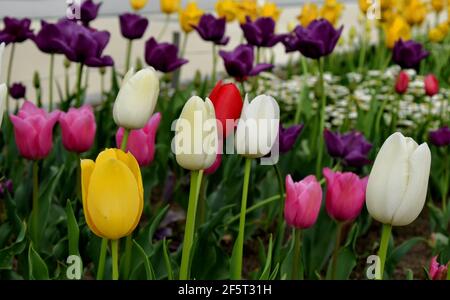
[
  {"x": 78, "y": 129},
  {"x": 436, "y": 270},
  {"x": 398, "y": 182},
  {"x": 36, "y": 80},
  {"x": 196, "y": 140},
  {"x": 66, "y": 63},
  {"x": 346, "y": 193},
  {"x": 113, "y": 196},
  {"x": 137, "y": 98},
  {"x": 431, "y": 85},
  {"x": 401, "y": 85},
  {"x": 258, "y": 127},
  {"x": 303, "y": 200}
]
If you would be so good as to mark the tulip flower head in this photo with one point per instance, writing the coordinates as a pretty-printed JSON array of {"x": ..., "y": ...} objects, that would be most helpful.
[
  {"x": 138, "y": 4},
  {"x": 190, "y": 17},
  {"x": 50, "y": 38},
  {"x": 6, "y": 186},
  {"x": 415, "y": 12},
  {"x": 113, "y": 195},
  {"x": 33, "y": 131},
  {"x": 247, "y": 8},
  {"x": 351, "y": 147},
  {"x": 15, "y": 30},
  {"x": 402, "y": 82},
  {"x": 440, "y": 137},
  {"x": 331, "y": 11},
  {"x": 270, "y": 10},
  {"x": 408, "y": 54},
  {"x": 212, "y": 29},
  {"x": 78, "y": 128},
  {"x": 436, "y": 270},
  {"x": 431, "y": 85},
  {"x": 261, "y": 32},
  {"x": 438, "y": 5},
  {"x": 346, "y": 193},
  {"x": 163, "y": 56},
  {"x": 132, "y": 26},
  {"x": 216, "y": 164},
  {"x": 17, "y": 90},
  {"x": 309, "y": 13},
  {"x": 227, "y": 9},
  {"x": 288, "y": 137},
  {"x": 303, "y": 201},
  {"x": 89, "y": 11},
  {"x": 398, "y": 182},
  {"x": 396, "y": 30},
  {"x": 141, "y": 142},
  {"x": 169, "y": 6},
  {"x": 136, "y": 99}
]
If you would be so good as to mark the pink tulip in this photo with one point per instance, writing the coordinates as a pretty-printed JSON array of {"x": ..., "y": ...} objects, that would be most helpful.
[
  {"x": 78, "y": 128},
  {"x": 431, "y": 85},
  {"x": 346, "y": 193},
  {"x": 33, "y": 130},
  {"x": 141, "y": 142},
  {"x": 437, "y": 271},
  {"x": 303, "y": 200}
]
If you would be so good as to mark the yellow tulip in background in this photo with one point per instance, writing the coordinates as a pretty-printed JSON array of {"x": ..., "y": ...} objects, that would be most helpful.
[
  {"x": 331, "y": 11},
  {"x": 308, "y": 13},
  {"x": 169, "y": 6},
  {"x": 227, "y": 9},
  {"x": 416, "y": 12},
  {"x": 190, "y": 16},
  {"x": 247, "y": 8},
  {"x": 363, "y": 5},
  {"x": 113, "y": 196},
  {"x": 438, "y": 34},
  {"x": 270, "y": 10},
  {"x": 398, "y": 29},
  {"x": 138, "y": 4},
  {"x": 437, "y": 5}
]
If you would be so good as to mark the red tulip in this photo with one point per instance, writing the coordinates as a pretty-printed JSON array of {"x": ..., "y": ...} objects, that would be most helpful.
[
  {"x": 431, "y": 85},
  {"x": 227, "y": 102},
  {"x": 401, "y": 85}
]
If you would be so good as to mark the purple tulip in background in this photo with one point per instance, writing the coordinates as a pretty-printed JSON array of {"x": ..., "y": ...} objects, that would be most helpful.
[
  {"x": 239, "y": 63},
  {"x": 212, "y": 29},
  {"x": 17, "y": 90},
  {"x": 89, "y": 11},
  {"x": 50, "y": 38},
  {"x": 163, "y": 57},
  {"x": 6, "y": 186},
  {"x": 132, "y": 26},
  {"x": 408, "y": 54},
  {"x": 261, "y": 32},
  {"x": 317, "y": 40},
  {"x": 440, "y": 137},
  {"x": 15, "y": 30},
  {"x": 288, "y": 137},
  {"x": 351, "y": 147}
]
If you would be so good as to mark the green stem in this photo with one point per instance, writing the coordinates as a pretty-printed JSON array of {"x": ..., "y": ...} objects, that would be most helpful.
[
  {"x": 243, "y": 91},
  {"x": 385, "y": 236},
  {"x": 305, "y": 90},
  {"x": 196, "y": 177},
  {"x": 50, "y": 83},
  {"x": 255, "y": 207},
  {"x": 8, "y": 77},
  {"x": 127, "y": 257},
  {"x": 280, "y": 189},
  {"x": 183, "y": 47},
  {"x": 128, "y": 58},
  {"x": 35, "y": 202},
  {"x": 236, "y": 270},
  {"x": 79, "y": 192},
  {"x": 214, "y": 64},
  {"x": 115, "y": 259},
  {"x": 102, "y": 86},
  {"x": 126, "y": 134},
  {"x": 79, "y": 77},
  {"x": 336, "y": 249},
  {"x": 297, "y": 252},
  {"x": 164, "y": 28},
  {"x": 102, "y": 259},
  {"x": 258, "y": 55},
  {"x": 202, "y": 202},
  {"x": 321, "y": 120},
  {"x": 362, "y": 52},
  {"x": 66, "y": 82},
  {"x": 446, "y": 178}
]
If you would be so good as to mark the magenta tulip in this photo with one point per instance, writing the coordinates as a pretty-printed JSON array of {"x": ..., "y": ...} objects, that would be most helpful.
[
  {"x": 303, "y": 200},
  {"x": 141, "y": 142},
  {"x": 346, "y": 193},
  {"x": 33, "y": 130},
  {"x": 436, "y": 270},
  {"x": 78, "y": 129}
]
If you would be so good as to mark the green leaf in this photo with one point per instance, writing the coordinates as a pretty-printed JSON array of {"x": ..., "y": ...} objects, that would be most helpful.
[
  {"x": 37, "y": 267},
  {"x": 346, "y": 262},
  {"x": 73, "y": 232},
  {"x": 274, "y": 274},
  {"x": 148, "y": 267},
  {"x": 7, "y": 254},
  {"x": 156, "y": 221},
  {"x": 167, "y": 260},
  {"x": 266, "y": 272},
  {"x": 400, "y": 251}
]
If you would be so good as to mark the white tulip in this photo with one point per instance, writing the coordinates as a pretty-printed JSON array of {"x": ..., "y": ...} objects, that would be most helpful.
[
  {"x": 397, "y": 186},
  {"x": 137, "y": 98},
  {"x": 257, "y": 129},
  {"x": 196, "y": 138}
]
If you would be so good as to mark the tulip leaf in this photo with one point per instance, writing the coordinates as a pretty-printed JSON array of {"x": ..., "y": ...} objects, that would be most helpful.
[
  {"x": 167, "y": 259},
  {"x": 73, "y": 232},
  {"x": 346, "y": 262},
  {"x": 274, "y": 274},
  {"x": 156, "y": 221},
  {"x": 266, "y": 271},
  {"x": 148, "y": 267},
  {"x": 7, "y": 253},
  {"x": 36, "y": 265},
  {"x": 397, "y": 254}
]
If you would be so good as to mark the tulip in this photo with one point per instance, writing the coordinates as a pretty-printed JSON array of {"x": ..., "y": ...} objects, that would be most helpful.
[
  {"x": 261, "y": 33},
  {"x": 437, "y": 5},
  {"x": 216, "y": 164},
  {"x": 436, "y": 270},
  {"x": 226, "y": 9},
  {"x": 212, "y": 29},
  {"x": 136, "y": 99},
  {"x": 440, "y": 137},
  {"x": 408, "y": 54},
  {"x": 402, "y": 83},
  {"x": 308, "y": 14},
  {"x": 15, "y": 30},
  {"x": 190, "y": 17},
  {"x": 397, "y": 29},
  {"x": 431, "y": 85},
  {"x": 78, "y": 129},
  {"x": 415, "y": 12},
  {"x": 331, "y": 11},
  {"x": 227, "y": 102},
  {"x": 247, "y": 8},
  {"x": 50, "y": 38},
  {"x": 270, "y": 10},
  {"x": 288, "y": 137},
  {"x": 138, "y": 4},
  {"x": 17, "y": 90},
  {"x": 132, "y": 26},
  {"x": 6, "y": 187},
  {"x": 169, "y": 6},
  {"x": 364, "y": 5},
  {"x": 33, "y": 130},
  {"x": 163, "y": 56},
  {"x": 436, "y": 35},
  {"x": 352, "y": 147},
  {"x": 196, "y": 137},
  {"x": 89, "y": 11},
  {"x": 141, "y": 142},
  {"x": 239, "y": 63},
  {"x": 258, "y": 127}
]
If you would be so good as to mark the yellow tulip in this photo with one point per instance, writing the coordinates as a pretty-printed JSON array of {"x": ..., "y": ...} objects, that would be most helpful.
[
  {"x": 309, "y": 13},
  {"x": 270, "y": 10},
  {"x": 113, "y": 196},
  {"x": 247, "y": 8},
  {"x": 364, "y": 5},
  {"x": 398, "y": 29},
  {"x": 415, "y": 12},
  {"x": 331, "y": 11},
  {"x": 138, "y": 4},
  {"x": 435, "y": 35},
  {"x": 437, "y": 5},
  {"x": 227, "y": 9},
  {"x": 386, "y": 4},
  {"x": 169, "y": 6},
  {"x": 444, "y": 27},
  {"x": 190, "y": 16},
  {"x": 388, "y": 16}
]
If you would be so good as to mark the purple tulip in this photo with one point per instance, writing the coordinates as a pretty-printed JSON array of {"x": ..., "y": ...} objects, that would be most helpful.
[
  {"x": 288, "y": 137},
  {"x": 261, "y": 33},
  {"x": 6, "y": 186},
  {"x": 50, "y": 39},
  {"x": 408, "y": 54},
  {"x": 89, "y": 11},
  {"x": 239, "y": 63},
  {"x": 15, "y": 30},
  {"x": 212, "y": 29},
  {"x": 440, "y": 137},
  {"x": 17, "y": 90},
  {"x": 317, "y": 40},
  {"x": 163, "y": 57},
  {"x": 352, "y": 147},
  {"x": 132, "y": 26}
]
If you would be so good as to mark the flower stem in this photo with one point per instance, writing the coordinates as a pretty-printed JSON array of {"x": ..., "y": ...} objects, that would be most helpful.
[
  {"x": 446, "y": 178},
  {"x": 183, "y": 47},
  {"x": 336, "y": 250},
  {"x": 35, "y": 203},
  {"x": 304, "y": 92},
  {"x": 196, "y": 178},
  {"x": 79, "y": 77},
  {"x": 214, "y": 64},
  {"x": 50, "y": 82},
  {"x": 385, "y": 236},
  {"x": 362, "y": 52},
  {"x": 128, "y": 240},
  {"x": 115, "y": 259},
  {"x": 236, "y": 270},
  {"x": 126, "y": 134},
  {"x": 101, "y": 261},
  {"x": 297, "y": 233},
  {"x": 164, "y": 28},
  {"x": 8, "y": 77},
  {"x": 321, "y": 120},
  {"x": 128, "y": 58}
]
